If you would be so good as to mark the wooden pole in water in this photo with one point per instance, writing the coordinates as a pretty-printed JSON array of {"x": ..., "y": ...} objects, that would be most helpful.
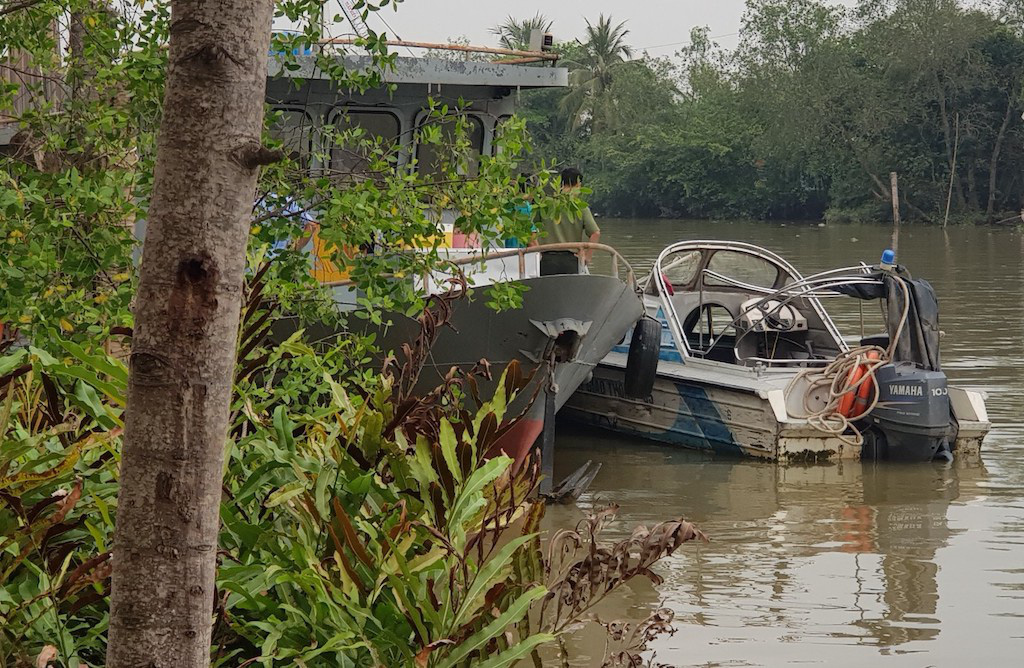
[
  {"x": 894, "y": 187},
  {"x": 952, "y": 169}
]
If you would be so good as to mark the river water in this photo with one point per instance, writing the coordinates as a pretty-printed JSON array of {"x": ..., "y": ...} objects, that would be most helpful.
[{"x": 846, "y": 564}]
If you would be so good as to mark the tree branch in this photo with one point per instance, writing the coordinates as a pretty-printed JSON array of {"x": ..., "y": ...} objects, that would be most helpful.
[{"x": 11, "y": 7}]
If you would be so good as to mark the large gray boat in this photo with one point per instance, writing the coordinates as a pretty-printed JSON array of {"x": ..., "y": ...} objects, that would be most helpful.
[{"x": 566, "y": 324}]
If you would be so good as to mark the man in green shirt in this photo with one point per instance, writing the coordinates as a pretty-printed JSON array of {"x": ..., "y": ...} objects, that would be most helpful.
[{"x": 568, "y": 230}]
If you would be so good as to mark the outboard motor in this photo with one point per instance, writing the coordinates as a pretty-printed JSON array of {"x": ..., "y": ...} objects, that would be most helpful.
[{"x": 912, "y": 419}]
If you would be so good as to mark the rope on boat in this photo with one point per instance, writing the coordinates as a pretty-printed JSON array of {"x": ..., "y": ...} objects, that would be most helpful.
[{"x": 839, "y": 377}]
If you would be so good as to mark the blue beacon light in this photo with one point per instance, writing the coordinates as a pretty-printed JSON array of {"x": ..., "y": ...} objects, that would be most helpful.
[{"x": 888, "y": 259}]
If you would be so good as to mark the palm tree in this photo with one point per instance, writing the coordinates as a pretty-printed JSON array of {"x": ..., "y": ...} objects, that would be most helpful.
[
  {"x": 515, "y": 33},
  {"x": 591, "y": 73}
]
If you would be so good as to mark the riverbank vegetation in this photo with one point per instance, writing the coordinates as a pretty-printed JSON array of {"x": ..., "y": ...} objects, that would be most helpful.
[
  {"x": 359, "y": 524},
  {"x": 805, "y": 118}
]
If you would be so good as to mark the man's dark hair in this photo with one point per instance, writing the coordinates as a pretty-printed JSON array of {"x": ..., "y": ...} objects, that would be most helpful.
[{"x": 571, "y": 176}]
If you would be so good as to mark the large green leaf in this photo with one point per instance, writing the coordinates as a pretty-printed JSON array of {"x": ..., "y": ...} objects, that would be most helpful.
[
  {"x": 470, "y": 497},
  {"x": 490, "y": 574},
  {"x": 449, "y": 444},
  {"x": 517, "y": 652},
  {"x": 512, "y": 615}
]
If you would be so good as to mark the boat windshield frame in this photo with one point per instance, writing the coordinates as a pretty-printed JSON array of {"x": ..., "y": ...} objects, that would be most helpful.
[{"x": 789, "y": 277}]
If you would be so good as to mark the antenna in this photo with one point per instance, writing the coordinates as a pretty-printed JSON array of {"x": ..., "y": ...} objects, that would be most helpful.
[{"x": 355, "y": 18}]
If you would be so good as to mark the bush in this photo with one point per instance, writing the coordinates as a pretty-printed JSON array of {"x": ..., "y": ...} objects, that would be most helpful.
[{"x": 360, "y": 526}]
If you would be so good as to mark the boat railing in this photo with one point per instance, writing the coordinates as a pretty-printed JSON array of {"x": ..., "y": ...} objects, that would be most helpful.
[
  {"x": 812, "y": 287},
  {"x": 703, "y": 246},
  {"x": 512, "y": 56},
  {"x": 808, "y": 287},
  {"x": 805, "y": 288},
  {"x": 619, "y": 264}
]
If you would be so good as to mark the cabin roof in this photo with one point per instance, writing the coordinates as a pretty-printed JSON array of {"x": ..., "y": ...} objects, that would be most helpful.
[{"x": 437, "y": 71}]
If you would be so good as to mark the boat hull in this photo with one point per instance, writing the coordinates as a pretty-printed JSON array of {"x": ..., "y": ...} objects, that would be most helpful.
[
  {"x": 574, "y": 320},
  {"x": 730, "y": 420}
]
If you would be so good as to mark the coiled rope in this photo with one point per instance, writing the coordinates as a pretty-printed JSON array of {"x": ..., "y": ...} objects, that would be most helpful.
[{"x": 840, "y": 377}]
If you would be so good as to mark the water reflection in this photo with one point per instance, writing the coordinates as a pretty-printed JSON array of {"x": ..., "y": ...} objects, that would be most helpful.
[
  {"x": 841, "y": 553},
  {"x": 847, "y": 564}
]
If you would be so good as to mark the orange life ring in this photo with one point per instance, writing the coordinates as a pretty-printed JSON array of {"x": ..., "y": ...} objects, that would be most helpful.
[
  {"x": 857, "y": 397},
  {"x": 866, "y": 389}
]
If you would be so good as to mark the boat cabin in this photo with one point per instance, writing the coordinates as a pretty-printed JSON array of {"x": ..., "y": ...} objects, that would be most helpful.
[{"x": 310, "y": 104}]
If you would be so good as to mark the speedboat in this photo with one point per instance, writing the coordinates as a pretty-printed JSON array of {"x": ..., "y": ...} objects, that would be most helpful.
[{"x": 737, "y": 354}]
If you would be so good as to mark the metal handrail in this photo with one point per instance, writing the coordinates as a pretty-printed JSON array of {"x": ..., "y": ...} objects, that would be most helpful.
[
  {"x": 741, "y": 247},
  {"x": 521, "y": 253},
  {"x": 464, "y": 48}
]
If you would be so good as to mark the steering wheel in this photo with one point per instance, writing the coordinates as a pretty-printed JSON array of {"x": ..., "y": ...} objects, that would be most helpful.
[{"x": 780, "y": 317}]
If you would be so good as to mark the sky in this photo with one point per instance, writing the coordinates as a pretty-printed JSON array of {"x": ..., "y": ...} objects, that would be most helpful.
[{"x": 659, "y": 26}]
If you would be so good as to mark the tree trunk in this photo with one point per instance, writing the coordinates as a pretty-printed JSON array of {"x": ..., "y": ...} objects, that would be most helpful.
[
  {"x": 973, "y": 197},
  {"x": 993, "y": 164},
  {"x": 186, "y": 327}
]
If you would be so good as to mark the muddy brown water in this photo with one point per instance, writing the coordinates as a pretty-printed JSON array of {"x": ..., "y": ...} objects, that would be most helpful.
[{"x": 848, "y": 564}]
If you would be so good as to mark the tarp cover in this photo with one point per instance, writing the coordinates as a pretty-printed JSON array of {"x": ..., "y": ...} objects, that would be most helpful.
[{"x": 919, "y": 340}]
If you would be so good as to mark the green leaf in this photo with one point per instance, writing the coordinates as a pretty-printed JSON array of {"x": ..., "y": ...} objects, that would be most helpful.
[
  {"x": 470, "y": 498},
  {"x": 422, "y": 466},
  {"x": 517, "y": 652},
  {"x": 12, "y": 361},
  {"x": 284, "y": 494},
  {"x": 87, "y": 395},
  {"x": 488, "y": 576},
  {"x": 107, "y": 365},
  {"x": 512, "y": 615},
  {"x": 448, "y": 445}
]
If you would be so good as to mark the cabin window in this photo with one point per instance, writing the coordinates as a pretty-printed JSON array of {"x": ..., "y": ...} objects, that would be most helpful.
[
  {"x": 294, "y": 129},
  {"x": 741, "y": 267},
  {"x": 680, "y": 269},
  {"x": 428, "y": 156},
  {"x": 353, "y": 157}
]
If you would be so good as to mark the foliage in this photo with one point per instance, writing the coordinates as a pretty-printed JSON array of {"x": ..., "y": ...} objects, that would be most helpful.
[
  {"x": 75, "y": 180},
  {"x": 807, "y": 115},
  {"x": 75, "y": 175},
  {"x": 361, "y": 525},
  {"x": 59, "y": 440}
]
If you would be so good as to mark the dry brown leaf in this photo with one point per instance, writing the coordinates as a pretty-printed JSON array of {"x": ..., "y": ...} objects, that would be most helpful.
[
  {"x": 48, "y": 654},
  {"x": 423, "y": 656}
]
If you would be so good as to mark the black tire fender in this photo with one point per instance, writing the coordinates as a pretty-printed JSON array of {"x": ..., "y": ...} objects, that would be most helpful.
[{"x": 642, "y": 362}]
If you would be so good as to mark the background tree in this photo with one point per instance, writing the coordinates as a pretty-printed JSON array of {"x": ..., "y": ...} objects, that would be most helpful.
[
  {"x": 603, "y": 50},
  {"x": 515, "y": 33},
  {"x": 806, "y": 117}
]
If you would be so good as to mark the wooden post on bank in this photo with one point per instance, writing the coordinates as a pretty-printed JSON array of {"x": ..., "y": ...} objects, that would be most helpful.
[
  {"x": 894, "y": 187},
  {"x": 547, "y": 453}
]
